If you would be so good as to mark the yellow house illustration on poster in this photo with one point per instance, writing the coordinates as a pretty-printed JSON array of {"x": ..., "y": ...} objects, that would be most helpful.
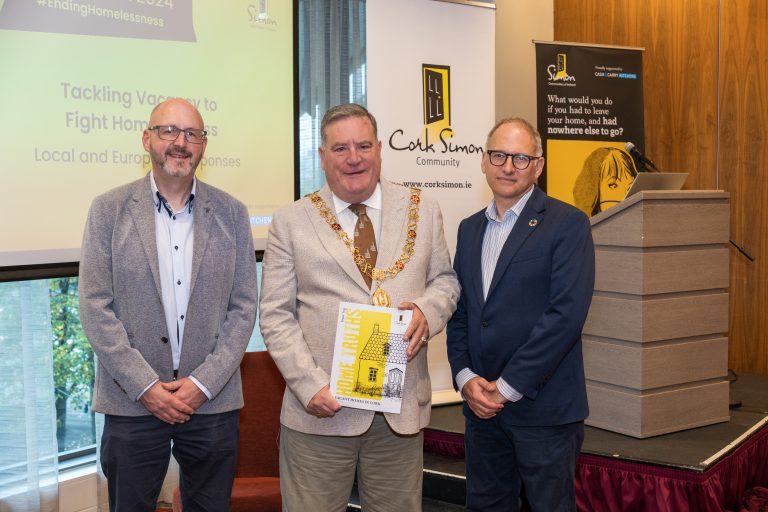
[{"x": 373, "y": 379}]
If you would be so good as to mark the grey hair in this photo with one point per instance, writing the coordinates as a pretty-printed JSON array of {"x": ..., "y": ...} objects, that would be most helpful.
[
  {"x": 345, "y": 111},
  {"x": 525, "y": 125}
]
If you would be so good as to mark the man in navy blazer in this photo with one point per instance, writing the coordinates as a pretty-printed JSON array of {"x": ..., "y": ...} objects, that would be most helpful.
[{"x": 526, "y": 265}]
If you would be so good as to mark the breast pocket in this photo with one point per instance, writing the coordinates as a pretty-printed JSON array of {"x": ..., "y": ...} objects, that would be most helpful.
[{"x": 523, "y": 256}]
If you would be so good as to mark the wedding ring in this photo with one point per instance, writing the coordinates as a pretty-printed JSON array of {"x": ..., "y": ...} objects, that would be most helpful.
[{"x": 423, "y": 339}]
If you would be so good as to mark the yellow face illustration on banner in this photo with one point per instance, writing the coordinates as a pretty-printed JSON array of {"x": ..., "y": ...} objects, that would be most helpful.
[
  {"x": 617, "y": 172},
  {"x": 591, "y": 175}
]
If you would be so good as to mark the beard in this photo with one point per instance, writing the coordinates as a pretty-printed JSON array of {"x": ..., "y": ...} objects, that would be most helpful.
[{"x": 168, "y": 163}]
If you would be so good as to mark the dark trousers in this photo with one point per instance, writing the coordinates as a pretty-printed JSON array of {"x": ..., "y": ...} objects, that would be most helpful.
[
  {"x": 136, "y": 450},
  {"x": 502, "y": 458}
]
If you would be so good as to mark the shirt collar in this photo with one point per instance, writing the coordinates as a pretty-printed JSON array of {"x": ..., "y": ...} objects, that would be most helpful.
[
  {"x": 372, "y": 202},
  {"x": 491, "y": 214},
  {"x": 161, "y": 203}
]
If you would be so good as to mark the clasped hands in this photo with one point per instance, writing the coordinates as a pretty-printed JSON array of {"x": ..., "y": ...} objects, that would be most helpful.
[
  {"x": 174, "y": 401},
  {"x": 483, "y": 397}
]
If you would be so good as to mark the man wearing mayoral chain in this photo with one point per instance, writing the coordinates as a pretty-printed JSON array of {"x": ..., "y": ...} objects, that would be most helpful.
[{"x": 359, "y": 239}]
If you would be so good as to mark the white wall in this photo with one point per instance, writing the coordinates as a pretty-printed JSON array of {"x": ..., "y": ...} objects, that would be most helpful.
[
  {"x": 77, "y": 490},
  {"x": 518, "y": 23}
]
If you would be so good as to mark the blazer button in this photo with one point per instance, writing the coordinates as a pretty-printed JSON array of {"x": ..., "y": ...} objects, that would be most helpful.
[
  {"x": 164, "y": 339},
  {"x": 484, "y": 323}
]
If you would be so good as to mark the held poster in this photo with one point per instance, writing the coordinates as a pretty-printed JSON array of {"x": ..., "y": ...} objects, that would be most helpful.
[
  {"x": 369, "y": 360},
  {"x": 589, "y": 104}
]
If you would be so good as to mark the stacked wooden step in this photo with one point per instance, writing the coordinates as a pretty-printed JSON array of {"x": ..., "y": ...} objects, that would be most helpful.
[{"x": 655, "y": 340}]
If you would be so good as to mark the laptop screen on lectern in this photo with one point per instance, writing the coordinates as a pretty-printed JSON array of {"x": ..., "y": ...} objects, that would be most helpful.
[{"x": 657, "y": 181}]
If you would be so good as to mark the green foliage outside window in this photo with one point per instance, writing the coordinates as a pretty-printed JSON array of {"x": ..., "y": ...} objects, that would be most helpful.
[{"x": 73, "y": 366}]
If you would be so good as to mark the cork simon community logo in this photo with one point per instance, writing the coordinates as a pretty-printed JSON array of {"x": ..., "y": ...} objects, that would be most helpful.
[{"x": 436, "y": 144}]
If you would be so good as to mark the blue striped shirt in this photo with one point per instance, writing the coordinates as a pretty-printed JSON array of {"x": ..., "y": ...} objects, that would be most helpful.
[{"x": 496, "y": 234}]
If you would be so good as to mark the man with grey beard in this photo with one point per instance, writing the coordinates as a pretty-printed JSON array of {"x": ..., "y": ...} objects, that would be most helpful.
[{"x": 168, "y": 302}]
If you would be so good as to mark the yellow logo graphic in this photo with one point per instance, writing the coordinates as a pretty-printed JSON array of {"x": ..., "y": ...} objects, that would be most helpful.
[
  {"x": 436, "y": 135},
  {"x": 559, "y": 72},
  {"x": 436, "y": 84}
]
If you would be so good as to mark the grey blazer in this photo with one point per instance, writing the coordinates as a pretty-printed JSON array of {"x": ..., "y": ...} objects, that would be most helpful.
[
  {"x": 120, "y": 298},
  {"x": 308, "y": 271}
]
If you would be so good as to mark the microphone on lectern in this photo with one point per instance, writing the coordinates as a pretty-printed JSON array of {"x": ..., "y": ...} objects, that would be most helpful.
[{"x": 644, "y": 160}]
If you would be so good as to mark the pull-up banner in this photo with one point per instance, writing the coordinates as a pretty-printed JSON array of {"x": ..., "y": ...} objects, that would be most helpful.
[
  {"x": 590, "y": 104},
  {"x": 431, "y": 88}
]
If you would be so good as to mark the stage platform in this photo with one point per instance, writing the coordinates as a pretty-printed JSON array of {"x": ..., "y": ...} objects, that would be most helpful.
[{"x": 717, "y": 467}]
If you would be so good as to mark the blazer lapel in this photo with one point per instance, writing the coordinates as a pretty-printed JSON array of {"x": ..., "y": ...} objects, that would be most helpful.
[
  {"x": 142, "y": 209},
  {"x": 526, "y": 224},
  {"x": 330, "y": 241},
  {"x": 475, "y": 244},
  {"x": 395, "y": 202},
  {"x": 203, "y": 214}
]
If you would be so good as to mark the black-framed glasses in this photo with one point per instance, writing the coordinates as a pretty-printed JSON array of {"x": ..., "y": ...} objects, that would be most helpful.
[
  {"x": 520, "y": 161},
  {"x": 170, "y": 132}
]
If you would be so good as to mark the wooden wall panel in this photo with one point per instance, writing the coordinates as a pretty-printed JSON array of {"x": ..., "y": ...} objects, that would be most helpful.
[
  {"x": 743, "y": 166},
  {"x": 681, "y": 76},
  {"x": 680, "y": 72}
]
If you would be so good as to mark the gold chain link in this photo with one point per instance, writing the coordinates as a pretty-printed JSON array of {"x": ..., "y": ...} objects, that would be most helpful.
[{"x": 376, "y": 274}]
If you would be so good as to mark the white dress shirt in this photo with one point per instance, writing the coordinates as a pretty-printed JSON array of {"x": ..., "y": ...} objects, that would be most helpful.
[
  {"x": 347, "y": 218},
  {"x": 174, "y": 237}
]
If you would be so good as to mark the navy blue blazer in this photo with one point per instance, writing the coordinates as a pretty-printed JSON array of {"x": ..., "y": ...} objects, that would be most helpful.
[{"x": 528, "y": 330}]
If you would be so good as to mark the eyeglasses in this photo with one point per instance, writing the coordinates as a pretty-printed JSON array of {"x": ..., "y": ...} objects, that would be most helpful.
[
  {"x": 520, "y": 161},
  {"x": 170, "y": 132}
]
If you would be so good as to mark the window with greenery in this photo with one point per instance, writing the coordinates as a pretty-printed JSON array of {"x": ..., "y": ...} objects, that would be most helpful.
[{"x": 73, "y": 369}]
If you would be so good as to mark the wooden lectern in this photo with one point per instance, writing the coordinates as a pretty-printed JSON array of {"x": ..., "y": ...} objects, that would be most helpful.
[{"x": 655, "y": 340}]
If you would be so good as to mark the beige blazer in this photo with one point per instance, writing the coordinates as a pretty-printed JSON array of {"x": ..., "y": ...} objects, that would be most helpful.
[
  {"x": 120, "y": 298},
  {"x": 308, "y": 271}
]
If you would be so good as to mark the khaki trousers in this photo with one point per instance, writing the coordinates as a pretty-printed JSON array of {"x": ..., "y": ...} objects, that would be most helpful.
[{"x": 317, "y": 472}]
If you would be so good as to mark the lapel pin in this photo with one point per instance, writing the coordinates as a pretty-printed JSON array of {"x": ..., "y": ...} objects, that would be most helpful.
[{"x": 532, "y": 223}]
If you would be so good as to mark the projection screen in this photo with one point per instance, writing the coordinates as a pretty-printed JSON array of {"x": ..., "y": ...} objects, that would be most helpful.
[{"x": 78, "y": 80}]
